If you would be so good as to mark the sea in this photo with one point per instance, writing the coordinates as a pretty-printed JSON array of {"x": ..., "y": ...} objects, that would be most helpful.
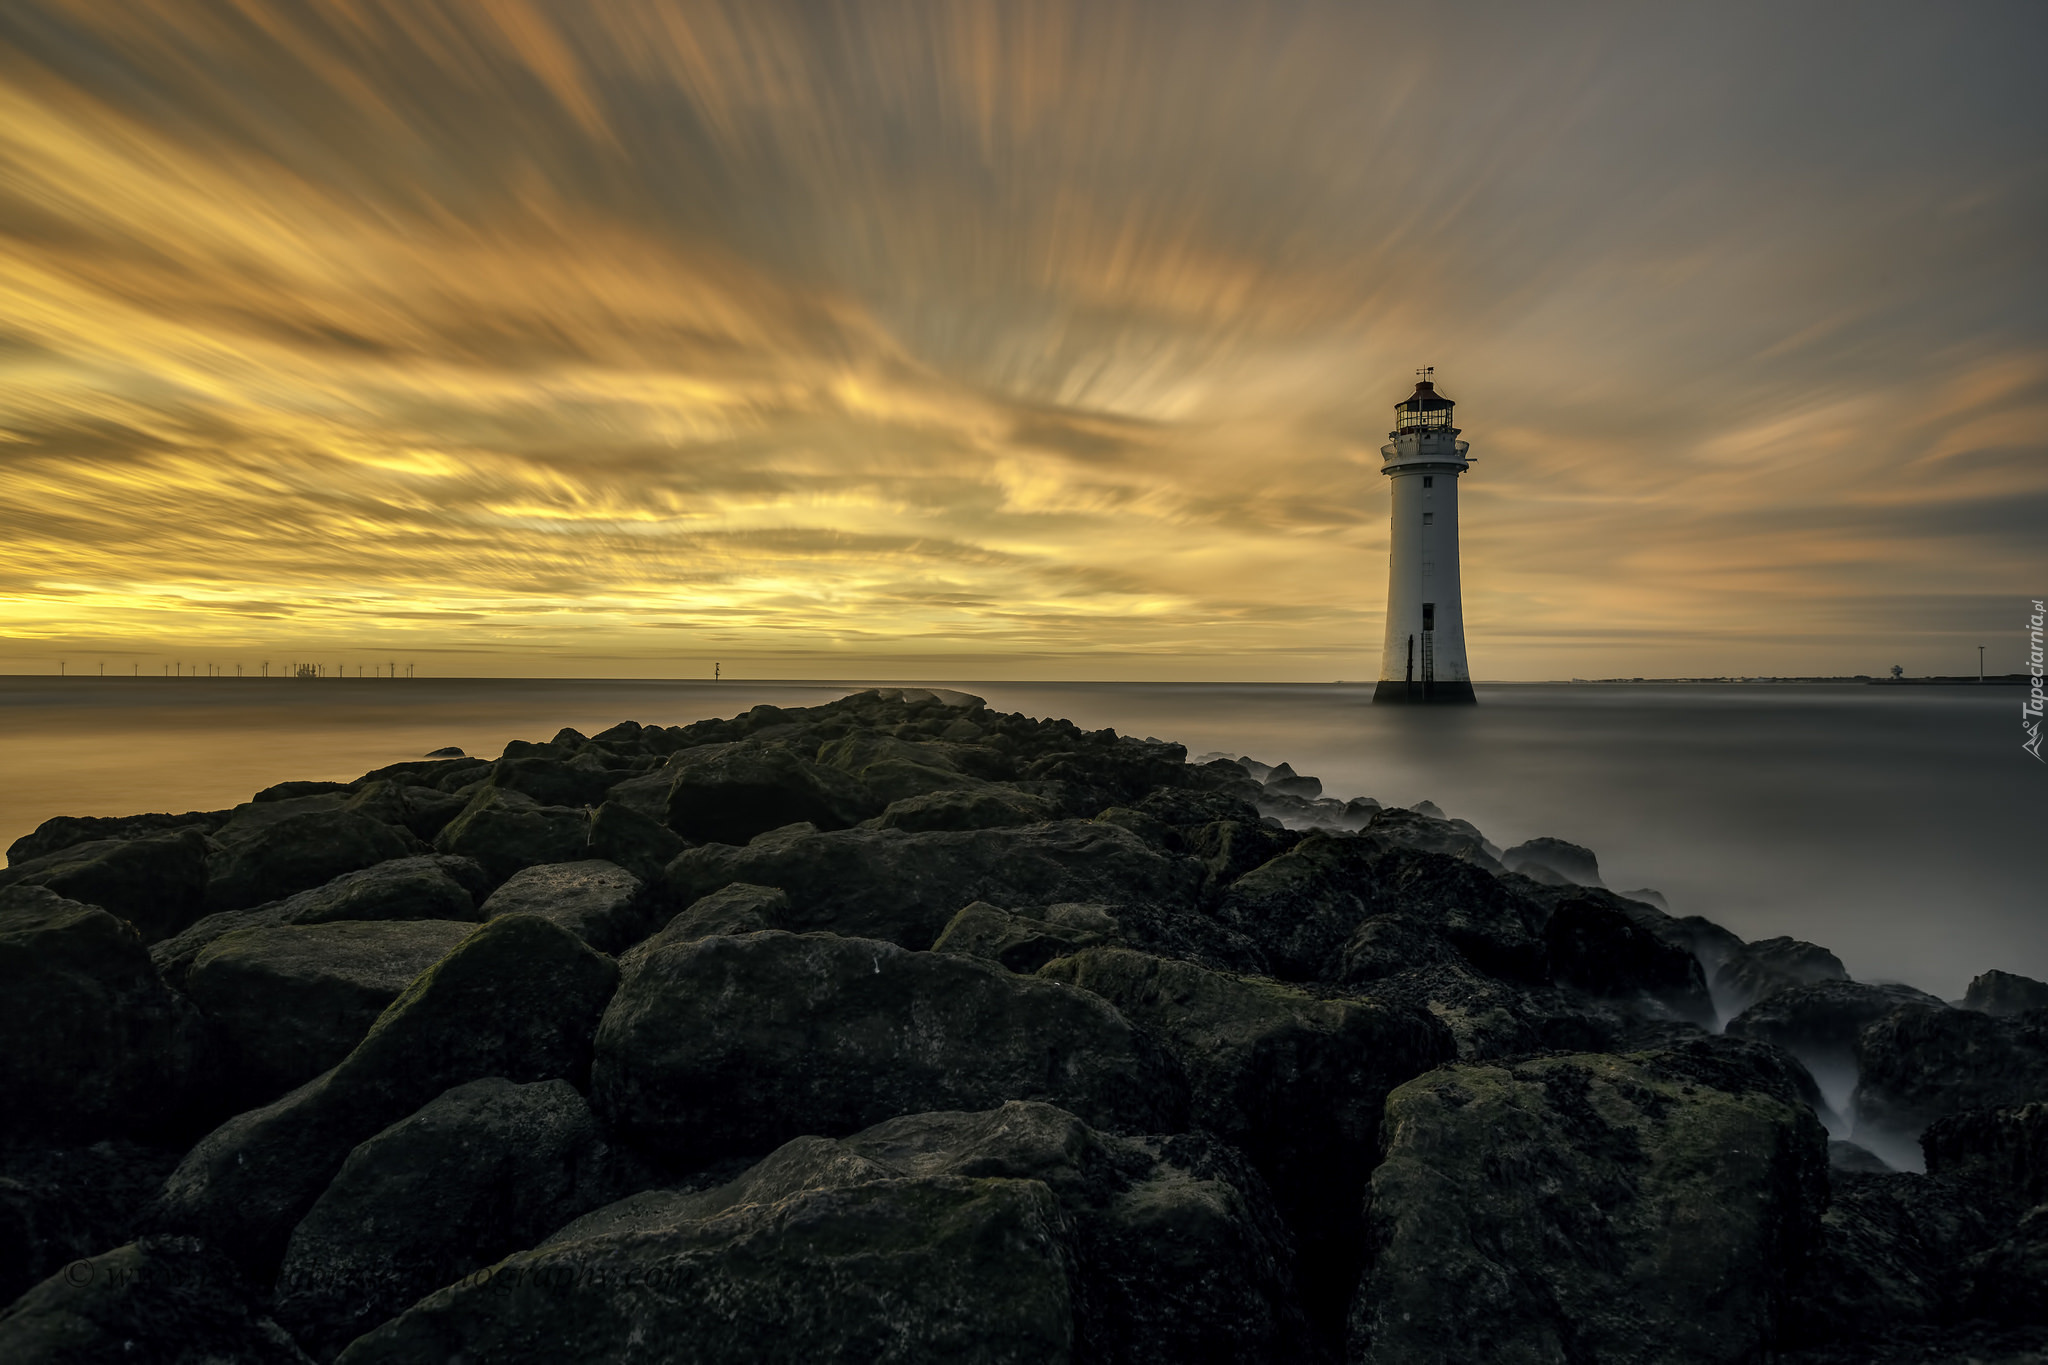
[{"x": 1901, "y": 827}]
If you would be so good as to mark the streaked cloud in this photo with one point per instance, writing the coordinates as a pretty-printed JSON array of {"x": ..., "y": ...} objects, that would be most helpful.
[{"x": 1053, "y": 337}]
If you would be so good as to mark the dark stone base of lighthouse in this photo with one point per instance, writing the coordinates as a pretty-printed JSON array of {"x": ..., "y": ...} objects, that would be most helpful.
[{"x": 1434, "y": 693}]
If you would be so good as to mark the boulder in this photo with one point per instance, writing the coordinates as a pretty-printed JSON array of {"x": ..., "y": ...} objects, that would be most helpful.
[
  {"x": 2008, "y": 1281},
  {"x": 2005, "y": 993},
  {"x": 1887, "y": 1260},
  {"x": 92, "y": 1044},
  {"x": 482, "y": 1170},
  {"x": 156, "y": 1299},
  {"x": 1755, "y": 971},
  {"x": 891, "y": 769},
  {"x": 63, "y": 831},
  {"x": 425, "y": 811},
  {"x": 1293, "y": 1080},
  {"x": 1024, "y": 943},
  {"x": 156, "y": 882},
  {"x": 1153, "y": 1251},
  {"x": 431, "y": 887},
  {"x": 62, "y": 1204},
  {"x": 506, "y": 830},
  {"x": 1921, "y": 1064},
  {"x": 728, "y": 793},
  {"x": 579, "y": 780},
  {"x": 1304, "y": 906},
  {"x": 722, "y": 1047},
  {"x": 1554, "y": 861},
  {"x": 965, "y": 808},
  {"x": 1819, "y": 1022},
  {"x": 598, "y": 901},
  {"x": 1426, "y": 829},
  {"x": 270, "y": 849},
  {"x": 1844, "y": 1155},
  {"x": 287, "y": 1003},
  {"x": 904, "y": 887},
  {"x": 2005, "y": 1149},
  {"x": 1230, "y": 848},
  {"x": 1590, "y": 1207},
  {"x": 1596, "y": 945},
  {"x": 519, "y": 998},
  {"x": 886, "y": 1271},
  {"x": 736, "y": 909},
  {"x": 1387, "y": 945},
  {"x": 634, "y": 840},
  {"x": 1489, "y": 1019}
]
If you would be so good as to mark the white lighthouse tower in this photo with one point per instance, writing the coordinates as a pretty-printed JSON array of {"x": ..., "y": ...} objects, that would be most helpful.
[{"x": 1424, "y": 657}]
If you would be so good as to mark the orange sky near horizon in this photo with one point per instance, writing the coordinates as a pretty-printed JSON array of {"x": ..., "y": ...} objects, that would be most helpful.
[{"x": 1014, "y": 340}]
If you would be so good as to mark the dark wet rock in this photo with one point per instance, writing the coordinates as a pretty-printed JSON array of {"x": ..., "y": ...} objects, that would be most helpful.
[
  {"x": 1756, "y": 971},
  {"x": 1150, "y": 828},
  {"x": 63, "y": 1204},
  {"x": 169, "y": 1299},
  {"x": 2008, "y": 1281},
  {"x": 1178, "y": 1253},
  {"x": 1888, "y": 1258},
  {"x": 1819, "y": 1023},
  {"x": 1578, "y": 1208},
  {"x": 1024, "y": 943},
  {"x": 1230, "y": 848},
  {"x": 579, "y": 780},
  {"x": 965, "y": 808},
  {"x": 1844, "y": 1155},
  {"x": 1489, "y": 1019},
  {"x": 1294, "y": 1080},
  {"x": 736, "y": 909},
  {"x": 1188, "y": 809},
  {"x": 426, "y": 887},
  {"x": 1918, "y": 1065},
  {"x": 482, "y": 1170},
  {"x": 505, "y": 830},
  {"x": 890, "y": 769},
  {"x": 1304, "y": 906},
  {"x": 447, "y": 751},
  {"x": 2004, "y": 993},
  {"x": 1387, "y": 945},
  {"x": 1595, "y": 944},
  {"x": 2004, "y": 1149},
  {"x": 888, "y": 1271},
  {"x": 1284, "y": 781},
  {"x": 64, "y": 831},
  {"x": 1145, "y": 1250},
  {"x": 287, "y": 1003},
  {"x": 421, "y": 811},
  {"x": 1554, "y": 861},
  {"x": 286, "y": 791},
  {"x": 1428, "y": 829},
  {"x": 92, "y": 1043},
  {"x": 720, "y": 1047},
  {"x": 271, "y": 849},
  {"x": 633, "y": 839},
  {"x": 728, "y": 793},
  {"x": 598, "y": 901},
  {"x": 519, "y": 998},
  {"x": 904, "y": 887},
  {"x": 157, "y": 882}
]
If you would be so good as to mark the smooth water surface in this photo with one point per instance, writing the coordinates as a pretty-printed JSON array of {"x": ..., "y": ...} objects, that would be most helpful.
[{"x": 1900, "y": 827}]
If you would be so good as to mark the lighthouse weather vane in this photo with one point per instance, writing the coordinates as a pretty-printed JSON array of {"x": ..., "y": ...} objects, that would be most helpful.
[{"x": 1423, "y": 659}]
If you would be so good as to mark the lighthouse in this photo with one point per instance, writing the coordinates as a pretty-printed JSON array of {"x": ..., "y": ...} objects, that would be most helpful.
[{"x": 1424, "y": 657}]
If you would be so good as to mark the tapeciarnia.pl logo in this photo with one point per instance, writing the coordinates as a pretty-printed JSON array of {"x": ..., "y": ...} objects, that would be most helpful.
[{"x": 2030, "y": 709}]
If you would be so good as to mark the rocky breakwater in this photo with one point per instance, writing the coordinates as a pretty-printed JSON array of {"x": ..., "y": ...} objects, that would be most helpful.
[{"x": 897, "y": 1029}]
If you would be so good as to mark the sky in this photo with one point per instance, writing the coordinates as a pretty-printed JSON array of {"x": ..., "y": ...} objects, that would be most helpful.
[{"x": 1015, "y": 340}]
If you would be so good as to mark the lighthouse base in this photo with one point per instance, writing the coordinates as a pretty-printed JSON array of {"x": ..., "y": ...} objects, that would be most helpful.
[{"x": 1432, "y": 693}]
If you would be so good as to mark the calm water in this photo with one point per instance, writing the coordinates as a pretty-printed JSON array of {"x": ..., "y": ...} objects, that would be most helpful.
[{"x": 1902, "y": 828}]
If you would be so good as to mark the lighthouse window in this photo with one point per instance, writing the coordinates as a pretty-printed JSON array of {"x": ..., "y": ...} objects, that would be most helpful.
[
  {"x": 1429, "y": 616},
  {"x": 1429, "y": 518},
  {"x": 1429, "y": 480}
]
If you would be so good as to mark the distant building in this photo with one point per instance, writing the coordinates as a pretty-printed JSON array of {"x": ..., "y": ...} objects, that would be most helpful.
[{"x": 1424, "y": 656}]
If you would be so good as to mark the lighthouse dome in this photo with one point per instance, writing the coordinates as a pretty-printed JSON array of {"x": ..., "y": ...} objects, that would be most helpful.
[{"x": 1425, "y": 408}]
